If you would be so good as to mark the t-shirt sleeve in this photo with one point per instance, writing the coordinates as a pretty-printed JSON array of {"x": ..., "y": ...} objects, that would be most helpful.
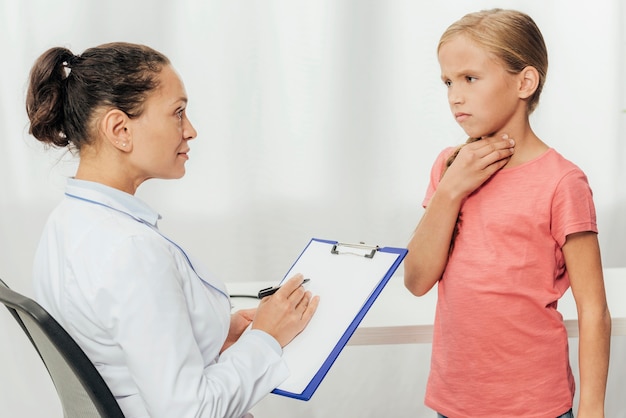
[
  {"x": 436, "y": 173},
  {"x": 573, "y": 209}
]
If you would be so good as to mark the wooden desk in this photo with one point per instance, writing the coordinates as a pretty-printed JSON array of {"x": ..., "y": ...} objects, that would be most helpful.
[{"x": 398, "y": 317}]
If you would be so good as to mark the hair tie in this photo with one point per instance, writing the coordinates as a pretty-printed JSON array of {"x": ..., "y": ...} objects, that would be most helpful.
[
  {"x": 66, "y": 70},
  {"x": 68, "y": 64}
]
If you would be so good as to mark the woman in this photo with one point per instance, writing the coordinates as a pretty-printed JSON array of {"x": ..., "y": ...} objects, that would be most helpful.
[{"x": 156, "y": 325}]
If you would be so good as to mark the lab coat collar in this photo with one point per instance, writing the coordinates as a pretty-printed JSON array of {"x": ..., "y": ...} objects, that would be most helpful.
[{"x": 116, "y": 199}]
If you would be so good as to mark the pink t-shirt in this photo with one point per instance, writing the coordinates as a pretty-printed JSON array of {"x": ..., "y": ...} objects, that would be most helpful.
[{"x": 500, "y": 347}]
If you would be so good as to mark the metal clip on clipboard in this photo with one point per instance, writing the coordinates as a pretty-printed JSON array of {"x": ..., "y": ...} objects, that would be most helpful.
[{"x": 367, "y": 251}]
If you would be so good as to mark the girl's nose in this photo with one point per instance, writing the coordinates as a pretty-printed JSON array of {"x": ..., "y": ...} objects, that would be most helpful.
[{"x": 454, "y": 95}]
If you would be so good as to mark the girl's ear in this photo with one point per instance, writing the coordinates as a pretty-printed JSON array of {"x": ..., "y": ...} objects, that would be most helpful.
[
  {"x": 528, "y": 82},
  {"x": 116, "y": 131}
]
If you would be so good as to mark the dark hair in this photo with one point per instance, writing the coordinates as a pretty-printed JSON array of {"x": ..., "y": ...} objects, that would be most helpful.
[{"x": 65, "y": 90}]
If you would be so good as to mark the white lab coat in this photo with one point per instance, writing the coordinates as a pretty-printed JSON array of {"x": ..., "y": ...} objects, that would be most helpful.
[{"x": 150, "y": 319}]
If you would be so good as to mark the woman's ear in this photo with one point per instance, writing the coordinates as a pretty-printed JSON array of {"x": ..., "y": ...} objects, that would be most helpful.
[
  {"x": 528, "y": 82},
  {"x": 115, "y": 126}
]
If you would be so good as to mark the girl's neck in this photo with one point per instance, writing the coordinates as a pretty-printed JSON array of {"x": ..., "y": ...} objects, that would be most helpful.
[{"x": 528, "y": 146}]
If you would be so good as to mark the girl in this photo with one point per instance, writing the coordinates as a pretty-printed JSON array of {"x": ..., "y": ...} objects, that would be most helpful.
[
  {"x": 156, "y": 325},
  {"x": 509, "y": 225}
]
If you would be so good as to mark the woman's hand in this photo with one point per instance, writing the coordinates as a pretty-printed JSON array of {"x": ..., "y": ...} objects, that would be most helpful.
[
  {"x": 239, "y": 321},
  {"x": 287, "y": 312}
]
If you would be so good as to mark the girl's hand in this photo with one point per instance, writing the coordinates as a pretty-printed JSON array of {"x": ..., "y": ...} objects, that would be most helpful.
[
  {"x": 287, "y": 312},
  {"x": 475, "y": 163}
]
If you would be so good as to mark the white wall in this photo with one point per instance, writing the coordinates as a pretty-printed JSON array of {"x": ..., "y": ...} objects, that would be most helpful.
[{"x": 314, "y": 118}]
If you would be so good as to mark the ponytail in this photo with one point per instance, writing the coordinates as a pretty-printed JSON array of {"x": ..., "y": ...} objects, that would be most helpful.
[
  {"x": 66, "y": 91},
  {"x": 452, "y": 157},
  {"x": 46, "y": 96}
]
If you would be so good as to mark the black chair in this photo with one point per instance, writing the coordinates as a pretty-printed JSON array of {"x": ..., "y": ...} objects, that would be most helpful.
[{"x": 81, "y": 389}]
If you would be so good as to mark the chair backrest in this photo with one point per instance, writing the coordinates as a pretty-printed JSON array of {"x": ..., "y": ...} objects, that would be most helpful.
[{"x": 81, "y": 389}]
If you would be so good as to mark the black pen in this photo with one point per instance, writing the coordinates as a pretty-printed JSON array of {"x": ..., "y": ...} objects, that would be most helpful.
[{"x": 271, "y": 290}]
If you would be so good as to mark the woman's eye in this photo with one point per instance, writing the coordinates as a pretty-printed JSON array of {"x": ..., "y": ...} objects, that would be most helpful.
[
  {"x": 179, "y": 114},
  {"x": 448, "y": 83},
  {"x": 470, "y": 79}
]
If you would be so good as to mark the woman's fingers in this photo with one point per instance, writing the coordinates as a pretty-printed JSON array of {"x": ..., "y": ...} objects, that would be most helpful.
[
  {"x": 309, "y": 309},
  {"x": 287, "y": 312},
  {"x": 294, "y": 284}
]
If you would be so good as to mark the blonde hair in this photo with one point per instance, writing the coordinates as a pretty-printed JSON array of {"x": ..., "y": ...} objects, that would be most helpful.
[{"x": 512, "y": 37}]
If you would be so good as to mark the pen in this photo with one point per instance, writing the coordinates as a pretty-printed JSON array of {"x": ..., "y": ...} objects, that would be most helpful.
[{"x": 271, "y": 290}]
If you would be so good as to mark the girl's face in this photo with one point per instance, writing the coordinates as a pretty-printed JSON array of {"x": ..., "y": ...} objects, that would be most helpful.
[
  {"x": 160, "y": 135},
  {"x": 482, "y": 95}
]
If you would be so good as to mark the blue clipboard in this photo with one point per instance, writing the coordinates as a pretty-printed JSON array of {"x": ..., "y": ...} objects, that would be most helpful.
[{"x": 348, "y": 278}]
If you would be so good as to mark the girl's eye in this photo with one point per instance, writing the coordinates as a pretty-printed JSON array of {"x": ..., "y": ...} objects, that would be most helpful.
[
  {"x": 470, "y": 79},
  {"x": 448, "y": 83}
]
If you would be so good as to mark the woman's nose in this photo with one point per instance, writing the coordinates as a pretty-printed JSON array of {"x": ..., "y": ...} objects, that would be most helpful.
[{"x": 189, "y": 131}]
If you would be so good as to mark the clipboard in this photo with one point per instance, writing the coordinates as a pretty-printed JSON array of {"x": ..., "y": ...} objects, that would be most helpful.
[{"x": 348, "y": 278}]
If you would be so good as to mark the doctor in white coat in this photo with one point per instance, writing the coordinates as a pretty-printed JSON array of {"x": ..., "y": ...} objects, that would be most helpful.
[{"x": 155, "y": 323}]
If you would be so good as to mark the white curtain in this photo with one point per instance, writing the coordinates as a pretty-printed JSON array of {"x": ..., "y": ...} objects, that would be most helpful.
[{"x": 315, "y": 119}]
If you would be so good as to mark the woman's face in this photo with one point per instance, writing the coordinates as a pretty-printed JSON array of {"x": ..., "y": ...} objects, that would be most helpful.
[
  {"x": 160, "y": 135},
  {"x": 482, "y": 95}
]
